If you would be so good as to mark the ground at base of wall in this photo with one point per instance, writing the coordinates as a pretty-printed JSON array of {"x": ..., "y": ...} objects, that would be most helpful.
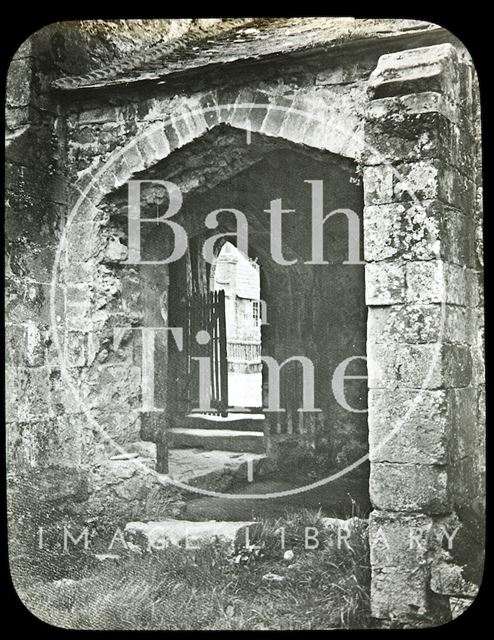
[
  {"x": 126, "y": 487},
  {"x": 215, "y": 587}
]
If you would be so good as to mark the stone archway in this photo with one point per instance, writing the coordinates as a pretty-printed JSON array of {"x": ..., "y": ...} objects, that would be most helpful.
[
  {"x": 297, "y": 120},
  {"x": 279, "y": 118},
  {"x": 411, "y": 114},
  {"x": 287, "y": 428},
  {"x": 400, "y": 267}
]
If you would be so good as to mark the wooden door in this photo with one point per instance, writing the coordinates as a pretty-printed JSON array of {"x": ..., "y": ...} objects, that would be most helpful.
[{"x": 206, "y": 312}]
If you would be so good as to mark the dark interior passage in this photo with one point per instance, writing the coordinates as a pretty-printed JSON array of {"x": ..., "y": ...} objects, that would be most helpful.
[{"x": 316, "y": 311}]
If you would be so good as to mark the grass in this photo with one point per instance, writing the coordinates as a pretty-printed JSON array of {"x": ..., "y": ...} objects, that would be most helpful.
[{"x": 214, "y": 587}]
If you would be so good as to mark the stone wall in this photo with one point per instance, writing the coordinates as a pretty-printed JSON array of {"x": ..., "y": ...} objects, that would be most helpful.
[
  {"x": 423, "y": 283},
  {"x": 408, "y": 114},
  {"x": 95, "y": 130},
  {"x": 41, "y": 434}
]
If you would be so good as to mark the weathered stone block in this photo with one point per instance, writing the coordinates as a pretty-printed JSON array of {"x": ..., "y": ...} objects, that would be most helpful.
[
  {"x": 343, "y": 73},
  {"x": 134, "y": 159},
  {"x": 457, "y": 365},
  {"x": 466, "y": 433},
  {"x": 226, "y": 101},
  {"x": 448, "y": 579},
  {"x": 478, "y": 362},
  {"x": 196, "y": 117},
  {"x": 75, "y": 351},
  {"x": 407, "y": 138},
  {"x": 457, "y": 327},
  {"x": 185, "y": 126},
  {"x": 15, "y": 340},
  {"x": 416, "y": 366},
  {"x": 409, "y": 487},
  {"x": 432, "y": 68},
  {"x": 27, "y": 394},
  {"x": 399, "y": 539},
  {"x": 56, "y": 483},
  {"x": 460, "y": 289},
  {"x": 122, "y": 424},
  {"x": 88, "y": 184},
  {"x": 259, "y": 111},
  {"x": 61, "y": 397},
  {"x": 123, "y": 381},
  {"x": 85, "y": 138},
  {"x": 78, "y": 294},
  {"x": 457, "y": 237},
  {"x": 399, "y": 547},
  {"x": 378, "y": 184},
  {"x": 99, "y": 115},
  {"x": 412, "y": 104},
  {"x": 384, "y": 283},
  {"x": 107, "y": 180},
  {"x": 409, "y": 426},
  {"x": 382, "y": 231},
  {"x": 417, "y": 181},
  {"x": 147, "y": 151},
  {"x": 468, "y": 488},
  {"x": 19, "y": 80},
  {"x": 276, "y": 116},
  {"x": 315, "y": 132},
  {"x": 31, "y": 301},
  {"x": 171, "y": 135},
  {"x": 419, "y": 125},
  {"x": 399, "y": 594},
  {"x": 83, "y": 241},
  {"x": 25, "y": 345},
  {"x": 297, "y": 121},
  {"x": 429, "y": 179},
  {"x": 385, "y": 365},
  {"x": 405, "y": 324},
  {"x": 155, "y": 536},
  {"x": 239, "y": 115},
  {"x": 481, "y": 405},
  {"x": 209, "y": 104},
  {"x": 436, "y": 282},
  {"x": 159, "y": 141},
  {"x": 410, "y": 231}
]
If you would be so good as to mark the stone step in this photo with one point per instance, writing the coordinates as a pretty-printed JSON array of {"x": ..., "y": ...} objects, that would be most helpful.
[
  {"x": 154, "y": 536},
  {"x": 216, "y": 470},
  {"x": 217, "y": 439},
  {"x": 157, "y": 535},
  {"x": 234, "y": 421},
  {"x": 341, "y": 498}
]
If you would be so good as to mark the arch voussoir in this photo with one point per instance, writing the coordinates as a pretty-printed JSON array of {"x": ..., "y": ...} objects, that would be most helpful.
[{"x": 279, "y": 116}]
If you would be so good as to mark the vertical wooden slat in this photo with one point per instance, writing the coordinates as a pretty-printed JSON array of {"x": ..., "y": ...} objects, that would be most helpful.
[
  {"x": 210, "y": 330},
  {"x": 218, "y": 342},
  {"x": 206, "y": 311},
  {"x": 216, "y": 345},
  {"x": 278, "y": 423},
  {"x": 193, "y": 351},
  {"x": 223, "y": 353},
  {"x": 204, "y": 327},
  {"x": 188, "y": 316},
  {"x": 289, "y": 422},
  {"x": 212, "y": 348}
]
